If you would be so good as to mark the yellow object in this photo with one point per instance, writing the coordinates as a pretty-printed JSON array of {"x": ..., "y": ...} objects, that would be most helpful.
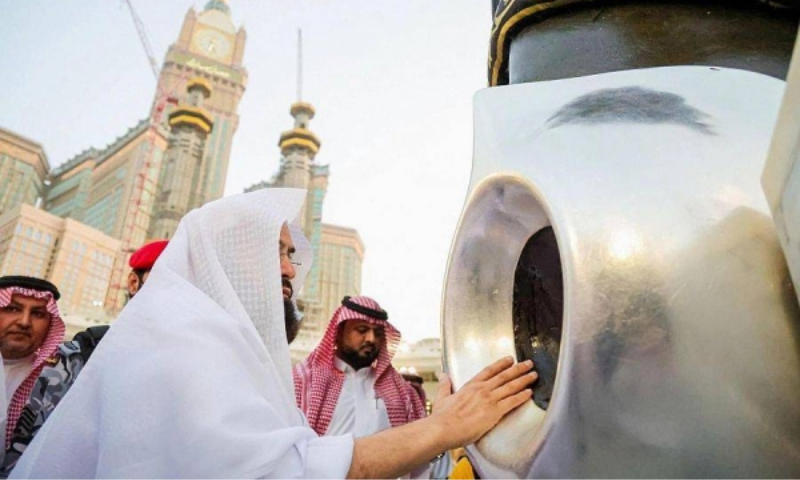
[
  {"x": 199, "y": 82},
  {"x": 462, "y": 470},
  {"x": 203, "y": 125},
  {"x": 299, "y": 137},
  {"x": 297, "y": 107},
  {"x": 497, "y": 61}
]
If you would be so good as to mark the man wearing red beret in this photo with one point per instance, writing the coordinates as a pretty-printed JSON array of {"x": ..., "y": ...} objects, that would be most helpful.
[{"x": 142, "y": 262}]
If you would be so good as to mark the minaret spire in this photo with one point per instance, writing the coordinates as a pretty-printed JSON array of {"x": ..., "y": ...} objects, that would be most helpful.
[
  {"x": 299, "y": 65},
  {"x": 300, "y": 136}
]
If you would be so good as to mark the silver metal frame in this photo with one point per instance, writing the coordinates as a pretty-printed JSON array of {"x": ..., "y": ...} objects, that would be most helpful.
[{"x": 680, "y": 353}]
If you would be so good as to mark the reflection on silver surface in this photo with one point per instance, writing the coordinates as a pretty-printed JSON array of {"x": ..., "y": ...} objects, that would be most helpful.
[
  {"x": 781, "y": 177},
  {"x": 680, "y": 352}
]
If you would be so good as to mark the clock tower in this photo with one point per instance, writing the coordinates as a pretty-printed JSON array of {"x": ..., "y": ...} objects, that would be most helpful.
[{"x": 209, "y": 47}]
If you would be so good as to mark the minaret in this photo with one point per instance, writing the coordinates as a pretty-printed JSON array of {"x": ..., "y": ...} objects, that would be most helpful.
[
  {"x": 299, "y": 145},
  {"x": 179, "y": 188},
  {"x": 299, "y": 169}
]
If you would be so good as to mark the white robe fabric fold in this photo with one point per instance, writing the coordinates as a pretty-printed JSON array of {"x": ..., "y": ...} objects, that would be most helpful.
[
  {"x": 193, "y": 380},
  {"x": 3, "y": 408}
]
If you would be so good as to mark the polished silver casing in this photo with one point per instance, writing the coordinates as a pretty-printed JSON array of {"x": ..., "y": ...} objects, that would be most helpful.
[
  {"x": 781, "y": 177},
  {"x": 679, "y": 354}
]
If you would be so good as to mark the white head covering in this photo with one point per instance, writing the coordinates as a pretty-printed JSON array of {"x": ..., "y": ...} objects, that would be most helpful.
[{"x": 194, "y": 378}]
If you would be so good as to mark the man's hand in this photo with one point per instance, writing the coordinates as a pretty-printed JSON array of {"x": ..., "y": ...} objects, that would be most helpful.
[
  {"x": 459, "y": 419},
  {"x": 480, "y": 404}
]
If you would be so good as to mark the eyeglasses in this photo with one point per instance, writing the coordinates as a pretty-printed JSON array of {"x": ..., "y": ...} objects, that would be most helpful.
[{"x": 285, "y": 255}]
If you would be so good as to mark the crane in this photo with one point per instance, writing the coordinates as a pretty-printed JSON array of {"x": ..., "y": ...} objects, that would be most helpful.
[
  {"x": 138, "y": 205},
  {"x": 140, "y": 30}
]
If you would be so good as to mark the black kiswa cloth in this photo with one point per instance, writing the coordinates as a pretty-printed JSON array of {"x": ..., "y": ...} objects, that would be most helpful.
[
  {"x": 29, "y": 282},
  {"x": 510, "y": 17}
]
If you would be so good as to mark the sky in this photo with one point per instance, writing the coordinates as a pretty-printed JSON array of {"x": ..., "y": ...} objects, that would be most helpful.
[{"x": 392, "y": 83}]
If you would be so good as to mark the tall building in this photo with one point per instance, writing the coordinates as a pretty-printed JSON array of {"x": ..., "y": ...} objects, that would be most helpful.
[
  {"x": 338, "y": 248},
  {"x": 23, "y": 168},
  {"x": 212, "y": 48},
  {"x": 138, "y": 187},
  {"x": 113, "y": 190},
  {"x": 75, "y": 257},
  {"x": 340, "y": 262}
]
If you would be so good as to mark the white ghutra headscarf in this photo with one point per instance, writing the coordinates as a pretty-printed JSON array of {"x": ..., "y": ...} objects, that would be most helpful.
[{"x": 194, "y": 379}]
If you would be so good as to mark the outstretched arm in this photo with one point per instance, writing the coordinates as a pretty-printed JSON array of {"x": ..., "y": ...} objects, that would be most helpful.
[{"x": 459, "y": 419}]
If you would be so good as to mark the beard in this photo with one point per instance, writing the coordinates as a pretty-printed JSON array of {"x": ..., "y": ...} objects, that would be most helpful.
[
  {"x": 355, "y": 359},
  {"x": 290, "y": 317}
]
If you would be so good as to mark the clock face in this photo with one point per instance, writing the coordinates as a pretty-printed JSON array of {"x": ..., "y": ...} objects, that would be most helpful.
[{"x": 212, "y": 44}]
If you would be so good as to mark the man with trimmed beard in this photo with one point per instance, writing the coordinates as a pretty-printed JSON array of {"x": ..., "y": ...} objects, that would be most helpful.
[
  {"x": 347, "y": 384},
  {"x": 288, "y": 264},
  {"x": 38, "y": 369}
]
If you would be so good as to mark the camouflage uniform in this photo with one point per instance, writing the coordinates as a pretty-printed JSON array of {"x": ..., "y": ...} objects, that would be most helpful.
[{"x": 53, "y": 383}]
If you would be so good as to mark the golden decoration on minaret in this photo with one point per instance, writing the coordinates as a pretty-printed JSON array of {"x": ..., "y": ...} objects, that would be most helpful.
[
  {"x": 201, "y": 83},
  {"x": 197, "y": 117},
  {"x": 302, "y": 107},
  {"x": 300, "y": 136}
]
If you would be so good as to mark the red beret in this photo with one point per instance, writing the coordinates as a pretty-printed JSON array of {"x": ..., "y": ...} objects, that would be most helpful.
[{"x": 145, "y": 257}]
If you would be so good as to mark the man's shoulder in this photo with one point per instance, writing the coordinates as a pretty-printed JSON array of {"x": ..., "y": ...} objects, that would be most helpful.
[
  {"x": 65, "y": 361},
  {"x": 88, "y": 339},
  {"x": 73, "y": 354},
  {"x": 67, "y": 349}
]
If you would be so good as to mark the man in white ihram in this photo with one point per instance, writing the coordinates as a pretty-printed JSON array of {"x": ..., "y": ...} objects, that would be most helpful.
[{"x": 194, "y": 380}]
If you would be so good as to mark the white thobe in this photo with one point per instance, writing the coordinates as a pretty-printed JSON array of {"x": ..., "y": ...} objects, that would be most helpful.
[
  {"x": 359, "y": 410},
  {"x": 5, "y": 397},
  {"x": 16, "y": 371}
]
